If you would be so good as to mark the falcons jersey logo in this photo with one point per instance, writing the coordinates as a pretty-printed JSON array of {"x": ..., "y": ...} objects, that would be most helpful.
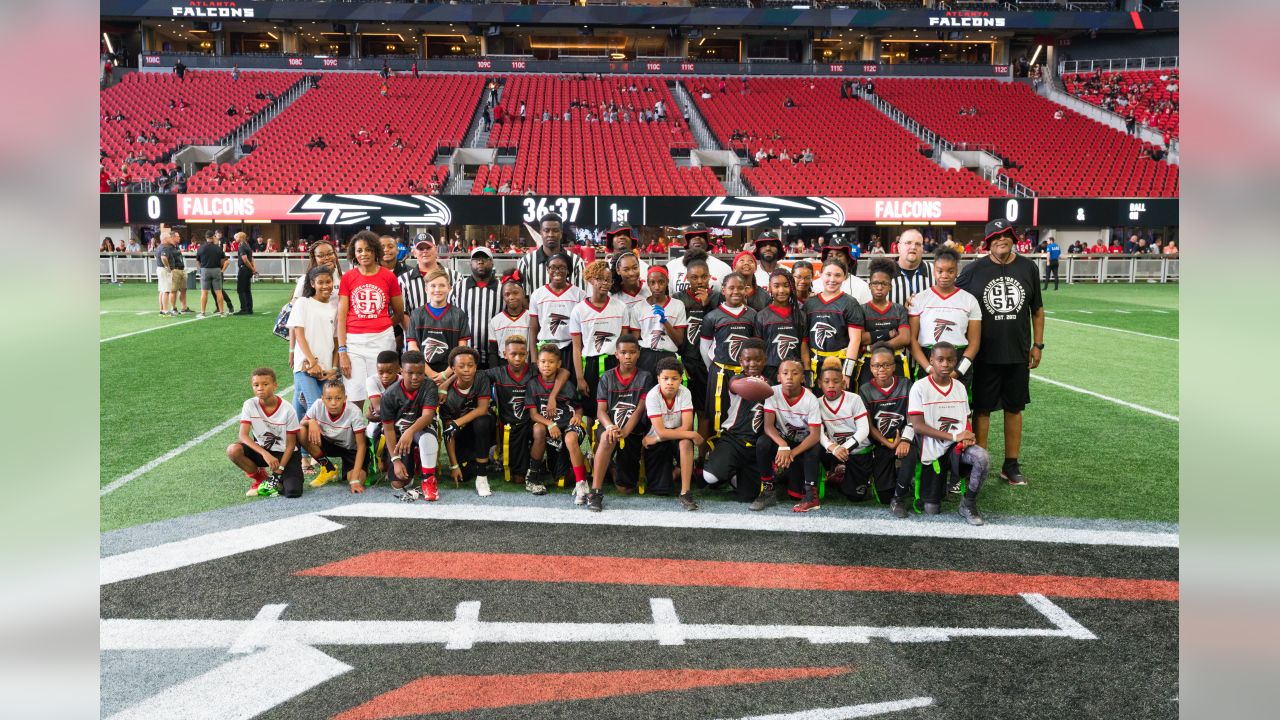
[
  {"x": 757, "y": 418},
  {"x": 559, "y": 413},
  {"x": 695, "y": 324},
  {"x": 268, "y": 440},
  {"x": 821, "y": 332},
  {"x": 517, "y": 407},
  {"x": 432, "y": 347},
  {"x": 840, "y": 437},
  {"x": 556, "y": 322},
  {"x": 784, "y": 345},
  {"x": 888, "y": 422},
  {"x": 403, "y": 424},
  {"x": 656, "y": 337},
  {"x": 940, "y": 326},
  {"x": 946, "y": 424},
  {"x": 600, "y": 338},
  {"x": 735, "y": 345},
  {"x": 622, "y": 413}
]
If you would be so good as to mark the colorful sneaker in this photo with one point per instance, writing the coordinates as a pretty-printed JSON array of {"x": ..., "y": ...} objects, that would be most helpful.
[
  {"x": 257, "y": 483},
  {"x": 969, "y": 511},
  {"x": 409, "y": 495},
  {"x": 535, "y": 488},
  {"x": 687, "y": 502},
  {"x": 953, "y": 488},
  {"x": 430, "y": 488},
  {"x": 580, "y": 491},
  {"x": 1012, "y": 474},
  {"x": 482, "y": 486},
  {"x": 595, "y": 501},
  {"x": 270, "y": 488},
  {"x": 809, "y": 503},
  {"x": 323, "y": 477}
]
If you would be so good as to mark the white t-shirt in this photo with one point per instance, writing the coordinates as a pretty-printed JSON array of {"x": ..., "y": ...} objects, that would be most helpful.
[
  {"x": 670, "y": 414},
  {"x": 317, "y": 322},
  {"x": 269, "y": 430},
  {"x": 795, "y": 419},
  {"x": 627, "y": 299},
  {"x": 552, "y": 311},
  {"x": 650, "y": 331},
  {"x": 947, "y": 411},
  {"x": 717, "y": 268},
  {"x": 944, "y": 318},
  {"x": 373, "y": 387},
  {"x": 339, "y": 430},
  {"x": 845, "y": 422},
  {"x": 600, "y": 327},
  {"x": 856, "y": 288},
  {"x": 503, "y": 326},
  {"x": 333, "y": 297}
]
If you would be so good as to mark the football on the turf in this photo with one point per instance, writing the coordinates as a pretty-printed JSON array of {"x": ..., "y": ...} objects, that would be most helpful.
[{"x": 751, "y": 388}]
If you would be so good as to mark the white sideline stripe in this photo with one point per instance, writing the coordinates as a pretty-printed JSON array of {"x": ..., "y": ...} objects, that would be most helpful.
[
  {"x": 466, "y": 622},
  {"x": 849, "y": 711},
  {"x": 780, "y": 522},
  {"x": 182, "y": 553},
  {"x": 1162, "y": 312},
  {"x": 1058, "y": 617},
  {"x": 1126, "y": 332},
  {"x": 157, "y": 462},
  {"x": 259, "y": 630},
  {"x": 1108, "y": 398},
  {"x": 223, "y": 692},
  {"x": 158, "y": 327}
]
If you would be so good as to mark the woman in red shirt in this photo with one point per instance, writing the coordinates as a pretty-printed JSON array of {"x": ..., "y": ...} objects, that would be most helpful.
[{"x": 369, "y": 301}]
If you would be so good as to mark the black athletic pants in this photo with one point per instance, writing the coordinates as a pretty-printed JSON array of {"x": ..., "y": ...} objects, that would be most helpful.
[
  {"x": 802, "y": 474},
  {"x": 244, "y": 290}
]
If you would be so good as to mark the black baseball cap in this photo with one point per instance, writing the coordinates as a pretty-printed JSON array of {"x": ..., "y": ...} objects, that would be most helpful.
[
  {"x": 697, "y": 229},
  {"x": 999, "y": 227}
]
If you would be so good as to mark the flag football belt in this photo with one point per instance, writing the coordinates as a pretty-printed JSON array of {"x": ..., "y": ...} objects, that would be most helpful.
[
  {"x": 715, "y": 430},
  {"x": 818, "y": 355},
  {"x": 599, "y": 360}
]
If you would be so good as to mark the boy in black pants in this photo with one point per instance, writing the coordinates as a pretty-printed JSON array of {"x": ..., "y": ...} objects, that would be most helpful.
[
  {"x": 621, "y": 423},
  {"x": 792, "y": 428},
  {"x": 468, "y": 426},
  {"x": 734, "y": 453},
  {"x": 268, "y": 439}
]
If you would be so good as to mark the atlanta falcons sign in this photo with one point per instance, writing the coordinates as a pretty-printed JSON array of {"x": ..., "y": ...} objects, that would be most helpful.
[
  {"x": 353, "y": 209},
  {"x": 751, "y": 211}
]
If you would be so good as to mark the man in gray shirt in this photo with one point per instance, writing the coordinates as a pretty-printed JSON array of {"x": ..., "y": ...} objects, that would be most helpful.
[{"x": 212, "y": 261}]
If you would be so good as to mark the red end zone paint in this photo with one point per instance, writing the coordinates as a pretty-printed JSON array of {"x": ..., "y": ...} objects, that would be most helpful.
[
  {"x": 708, "y": 573},
  {"x": 460, "y": 693}
]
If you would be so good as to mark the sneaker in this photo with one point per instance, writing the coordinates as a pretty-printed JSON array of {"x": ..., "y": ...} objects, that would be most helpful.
[
  {"x": 323, "y": 477},
  {"x": 809, "y": 503},
  {"x": 764, "y": 500},
  {"x": 898, "y": 507},
  {"x": 969, "y": 511},
  {"x": 580, "y": 491},
  {"x": 595, "y": 501},
  {"x": 270, "y": 488},
  {"x": 410, "y": 495},
  {"x": 953, "y": 488},
  {"x": 200, "y": 316},
  {"x": 253, "y": 489},
  {"x": 1012, "y": 474},
  {"x": 185, "y": 311},
  {"x": 482, "y": 486},
  {"x": 222, "y": 314},
  {"x": 431, "y": 488},
  {"x": 535, "y": 487},
  {"x": 687, "y": 502},
  {"x": 932, "y": 508}
]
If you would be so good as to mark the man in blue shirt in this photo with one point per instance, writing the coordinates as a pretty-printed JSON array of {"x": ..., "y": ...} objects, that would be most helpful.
[{"x": 1051, "y": 268}]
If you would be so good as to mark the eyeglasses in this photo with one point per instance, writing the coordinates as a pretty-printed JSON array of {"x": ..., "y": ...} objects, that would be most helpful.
[
  {"x": 882, "y": 365},
  {"x": 878, "y": 282}
]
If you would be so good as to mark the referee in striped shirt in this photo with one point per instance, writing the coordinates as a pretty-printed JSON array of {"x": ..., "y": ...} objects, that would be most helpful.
[
  {"x": 412, "y": 284},
  {"x": 479, "y": 296},
  {"x": 533, "y": 266},
  {"x": 914, "y": 273}
]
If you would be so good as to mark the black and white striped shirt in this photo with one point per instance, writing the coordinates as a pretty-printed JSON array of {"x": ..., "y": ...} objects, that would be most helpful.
[
  {"x": 910, "y": 282},
  {"x": 533, "y": 269},
  {"x": 414, "y": 288},
  {"x": 481, "y": 302}
]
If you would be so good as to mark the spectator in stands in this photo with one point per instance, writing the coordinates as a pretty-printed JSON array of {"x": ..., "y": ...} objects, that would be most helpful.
[
  {"x": 107, "y": 245},
  {"x": 546, "y": 115},
  {"x": 231, "y": 110},
  {"x": 398, "y": 144},
  {"x": 180, "y": 69},
  {"x": 1130, "y": 123},
  {"x": 806, "y": 156},
  {"x": 383, "y": 90},
  {"x": 385, "y": 72},
  {"x": 1115, "y": 248},
  {"x": 505, "y": 188},
  {"x": 870, "y": 87},
  {"x": 235, "y": 73},
  {"x": 522, "y": 111},
  {"x": 489, "y": 189},
  {"x": 1171, "y": 247},
  {"x": 413, "y": 68},
  {"x": 784, "y": 155},
  {"x": 108, "y": 73},
  {"x": 1058, "y": 115},
  {"x": 789, "y": 102},
  {"x": 133, "y": 246},
  {"x": 1098, "y": 248},
  {"x": 761, "y": 156}
]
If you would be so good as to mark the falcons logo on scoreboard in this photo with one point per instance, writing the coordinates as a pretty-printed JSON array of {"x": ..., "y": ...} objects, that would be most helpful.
[
  {"x": 821, "y": 332},
  {"x": 888, "y": 422},
  {"x": 375, "y": 209},
  {"x": 784, "y": 344},
  {"x": 557, "y": 322},
  {"x": 735, "y": 345},
  {"x": 622, "y": 413},
  {"x": 432, "y": 347},
  {"x": 940, "y": 326},
  {"x": 600, "y": 338},
  {"x": 751, "y": 211}
]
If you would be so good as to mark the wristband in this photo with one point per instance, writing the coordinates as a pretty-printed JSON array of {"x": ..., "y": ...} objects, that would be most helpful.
[
  {"x": 784, "y": 447},
  {"x": 395, "y": 458},
  {"x": 965, "y": 364},
  {"x": 955, "y": 436},
  {"x": 342, "y": 348}
]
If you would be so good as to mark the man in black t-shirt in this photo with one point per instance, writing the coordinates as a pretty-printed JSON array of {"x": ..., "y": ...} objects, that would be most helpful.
[
  {"x": 212, "y": 262},
  {"x": 244, "y": 276},
  {"x": 1007, "y": 287}
]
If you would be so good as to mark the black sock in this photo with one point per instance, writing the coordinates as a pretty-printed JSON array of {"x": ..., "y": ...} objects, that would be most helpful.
[
  {"x": 326, "y": 462},
  {"x": 1010, "y": 461}
]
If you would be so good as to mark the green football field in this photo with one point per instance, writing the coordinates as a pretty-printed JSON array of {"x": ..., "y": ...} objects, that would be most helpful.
[{"x": 1100, "y": 438}]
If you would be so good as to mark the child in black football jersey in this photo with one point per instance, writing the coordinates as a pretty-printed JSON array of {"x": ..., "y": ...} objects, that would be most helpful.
[
  {"x": 886, "y": 321},
  {"x": 468, "y": 426},
  {"x": 835, "y": 321},
  {"x": 437, "y": 326},
  {"x": 721, "y": 336},
  {"x": 699, "y": 299},
  {"x": 734, "y": 453},
  {"x": 621, "y": 422},
  {"x": 891, "y": 434},
  {"x": 782, "y": 326},
  {"x": 557, "y": 427},
  {"x": 510, "y": 382},
  {"x": 408, "y": 410}
]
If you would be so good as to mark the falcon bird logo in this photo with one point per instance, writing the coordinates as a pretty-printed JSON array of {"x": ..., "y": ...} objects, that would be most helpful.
[
  {"x": 432, "y": 347},
  {"x": 887, "y": 422},
  {"x": 757, "y": 418},
  {"x": 557, "y": 322},
  {"x": 695, "y": 324},
  {"x": 376, "y": 209},
  {"x": 940, "y": 326},
  {"x": 821, "y": 332},
  {"x": 600, "y": 338},
  {"x": 269, "y": 440},
  {"x": 946, "y": 424},
  {"x": 622, "y": 412},
  {"x": 840, "y": 437},
  {"x": 735, "y": 345},
  {"x": 785, "y": 344},
  {"x": 517, "y": 407},
  {"x": 559, "y": 412}
]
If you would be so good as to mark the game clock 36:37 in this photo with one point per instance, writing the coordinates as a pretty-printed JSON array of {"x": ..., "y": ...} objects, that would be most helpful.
[{"x": 534, "y": 208}]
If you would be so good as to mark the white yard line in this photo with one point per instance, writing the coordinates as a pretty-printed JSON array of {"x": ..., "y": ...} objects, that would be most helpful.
[
  {"x": 848, "y": 712},
  {"x": 1108, "y": 398},
  {"x": 152, "y": 329},
  {"x": 157, "y": 462},
  {"x": 1104, "y": 327}
]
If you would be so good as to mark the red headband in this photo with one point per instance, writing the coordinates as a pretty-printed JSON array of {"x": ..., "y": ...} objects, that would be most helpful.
[
  {"x": 738, "y": 257},
  {"x": 658, "y": 268}
]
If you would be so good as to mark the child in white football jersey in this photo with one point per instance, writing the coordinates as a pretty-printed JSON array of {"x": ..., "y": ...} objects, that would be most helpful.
[
  {"x": 845, "y": 432},
  {"x": 939, "y": 411},
  {"x": 334, "y": 427},
  {"x": 945, "y": 313},
  {"x": 669, "y": 406},
  {"x": 792, "y": 429},
  {"x": 268, "y": 439}
]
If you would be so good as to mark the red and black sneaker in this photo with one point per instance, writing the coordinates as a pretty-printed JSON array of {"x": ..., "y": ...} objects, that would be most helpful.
[
  {"x": 809, "y": 503},
  {"x": 430, "y": 488}
]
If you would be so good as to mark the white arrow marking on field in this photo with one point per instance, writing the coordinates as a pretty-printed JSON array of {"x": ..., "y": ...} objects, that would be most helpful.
[
  {"x": 259, "y": 631},
  {"x": 222, "y": 693},
  {"x": 466, "y": 630},
  {"x": 849, "y": 711}
]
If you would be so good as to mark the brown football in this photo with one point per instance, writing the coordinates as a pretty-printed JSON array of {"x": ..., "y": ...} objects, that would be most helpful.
[{"x": 755, "y": 389}]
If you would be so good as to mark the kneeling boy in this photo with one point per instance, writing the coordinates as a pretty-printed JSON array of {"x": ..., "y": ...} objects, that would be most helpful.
[
  {"x": 792, "y": 428},
  {"x": 332, "y": 428},
  {"x": 408, "y": 410},
  {"x": 734, "y": 452},
  {"x": 939, "y": 412},
  {"x": 620, "y": 423},
  {"x": 557, "y": 424},
  {"x": 268, "y": 439},
  {"x": 468, "y": 426}
]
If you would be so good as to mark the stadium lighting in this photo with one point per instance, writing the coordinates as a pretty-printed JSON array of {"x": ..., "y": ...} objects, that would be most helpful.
[
  {"x": 107, "y": 40},
  {"x": 1037, "y": 55}
]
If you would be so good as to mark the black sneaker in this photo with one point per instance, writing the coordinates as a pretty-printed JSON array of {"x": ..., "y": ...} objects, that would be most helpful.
[
  {"x": 1012, "y": 474},
  {"x": 953, "y": 488},
  {"x": 932, "y": 508},
  {"x": 686, "y": 501},
  {"x": 764, "y": 500},
  {"x": 969, "y": 511},
  {"x": 595, "y": 501},
  {"x": 898, "y": 507}
]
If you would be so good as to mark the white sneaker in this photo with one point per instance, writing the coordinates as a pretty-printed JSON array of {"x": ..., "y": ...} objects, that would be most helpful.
[
  {"x": 200, "y": 316},
  {"x": 580, "y": 491},
  {"x": 222, "y": 314},
  {"x": 482, "y": 486}
]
